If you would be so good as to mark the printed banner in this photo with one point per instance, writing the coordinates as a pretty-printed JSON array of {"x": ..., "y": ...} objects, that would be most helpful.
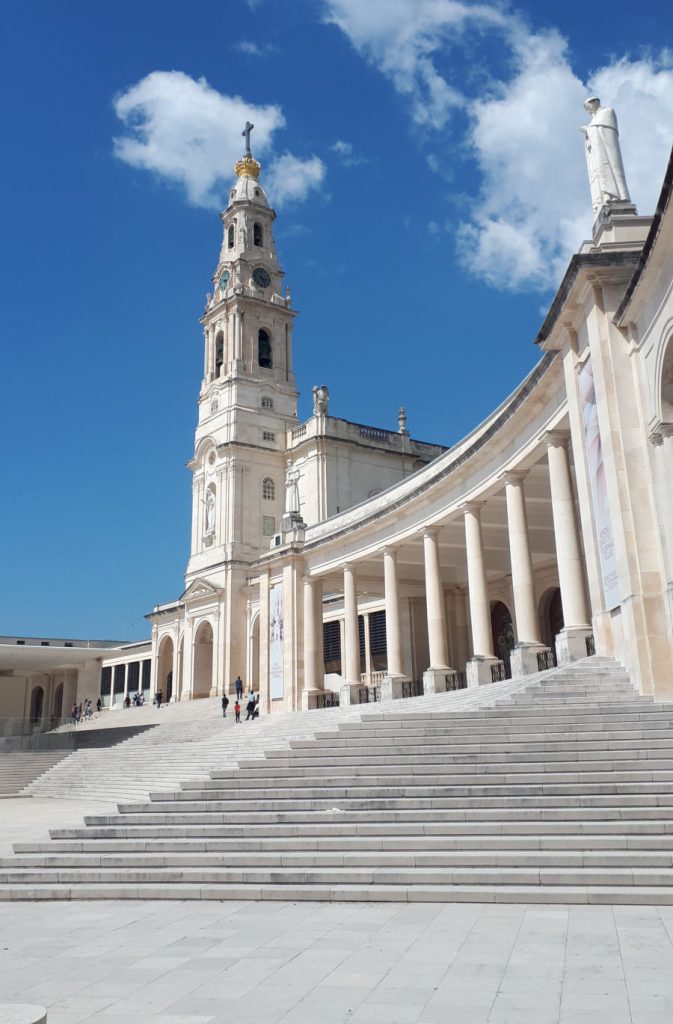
[
  {"x": 599, "y": 490},
  {"x": 276, "y": 630}
]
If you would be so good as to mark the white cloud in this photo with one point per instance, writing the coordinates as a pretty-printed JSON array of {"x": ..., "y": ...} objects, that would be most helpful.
[
  {"x": 291, "y": 179},
  {"x": 188, "y": 134},
  {"x": 347, "y": 156},
  {"x": 533, "y": 206},
  {"x": 253, "y": 49}
]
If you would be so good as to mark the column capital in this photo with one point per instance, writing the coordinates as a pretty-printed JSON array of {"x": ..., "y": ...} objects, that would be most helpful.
[
  {"x": 390, "y": 549},
  {"x": 665, "y": 430},
  {"x": 656, "y": 438},
  {"x": 513, "y": 476},
  {"x": 474, "y": 507},
  {"x": 556, "y": 438},
  {"x": 430, "y": 531}
]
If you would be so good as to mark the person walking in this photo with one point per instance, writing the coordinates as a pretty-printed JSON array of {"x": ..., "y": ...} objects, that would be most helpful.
[
  {"x": 99, "y": 705},
  {"x": 73, "y": 714},
  {"x": 225, "y": 705},
  {"x": 239, "y": 687},
  {"x": 159, "y": 698},
  {"x": 237, "y": 710},
  {"x": 250, "y": 706}
]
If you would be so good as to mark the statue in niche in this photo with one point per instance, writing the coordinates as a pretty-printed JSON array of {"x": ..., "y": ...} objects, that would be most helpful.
[
  {"x": 291, "y": 487},
  {"x": 243, "y": 236},
  {"x": 320, "y": 400},
  {"x": 604, "y": 159},
  {"x": 210, "y": 514}
]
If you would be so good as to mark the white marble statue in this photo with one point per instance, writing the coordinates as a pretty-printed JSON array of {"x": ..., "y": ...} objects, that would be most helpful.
[
  {"x": 291, "y": 487},
  {"x": 320, "y": 400},
  {"x": 210, "y": 513},
  {"x": 604, "y": 159}
]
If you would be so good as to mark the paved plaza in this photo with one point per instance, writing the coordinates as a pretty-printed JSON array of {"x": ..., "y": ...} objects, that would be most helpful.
[{"x": 300, "y": 963}]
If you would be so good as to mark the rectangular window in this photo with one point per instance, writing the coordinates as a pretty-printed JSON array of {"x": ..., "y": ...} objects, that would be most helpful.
[
  {"x": 134, "y": 676},
  {"x": 147, "y": 668},
  {"x": 268, "y": 526},
  {"x": 377, "y": 641},
  {"x": 269, "y": 436},
  {"x": 331, "y": 645},
  {"x": 105, "y": 681},
  {"x": 361, "y": 638},
  {"x": 118, "y": 683}
]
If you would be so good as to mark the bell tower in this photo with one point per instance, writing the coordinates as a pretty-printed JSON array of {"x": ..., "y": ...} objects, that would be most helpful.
[{"x": 248, "y": 397}]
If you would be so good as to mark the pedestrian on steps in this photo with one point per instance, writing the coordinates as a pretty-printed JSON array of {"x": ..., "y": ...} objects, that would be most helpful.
[
  {"x": 159, "y": 698},
  {"x": 239, "y": 687},
  {"x": 99, "y": 705},
  {"x": 250, "y": 706},
  {"x": 237, "y": 710},
  {"x": 225, "y": 705}
]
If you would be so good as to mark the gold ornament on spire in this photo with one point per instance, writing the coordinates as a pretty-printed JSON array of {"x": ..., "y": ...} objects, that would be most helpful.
[{"x": 247, "y": 167}]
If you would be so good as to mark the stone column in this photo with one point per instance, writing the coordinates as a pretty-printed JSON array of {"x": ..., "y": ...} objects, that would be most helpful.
[
  {"x": 393, "y": 627},
  {"x": 570, "y": 643},
  {"x": 310, "y": 684},
  {"x": 391, "y": 686},
  {"x": 479, "y": 667},
  {"x": 434, "y": 678},
  {"x": 351, "y": 672},
  {"x": 524, "y": 655}
]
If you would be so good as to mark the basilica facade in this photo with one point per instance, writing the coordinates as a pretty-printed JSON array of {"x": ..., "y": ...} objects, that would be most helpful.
[
  {"x": 333, "y": 561},
  {"x": 544, "y": 535}
]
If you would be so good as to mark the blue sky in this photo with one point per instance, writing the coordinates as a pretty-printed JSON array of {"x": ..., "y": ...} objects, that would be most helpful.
[{"x": 424, "y": 159}]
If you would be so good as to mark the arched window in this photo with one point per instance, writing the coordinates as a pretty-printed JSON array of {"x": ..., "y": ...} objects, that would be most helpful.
[
  {"x": 268, "y": 489},
  {"x": 36, "y": 702},
  {"x": 258, "y": 235},
  {"x": 219, "y": 352},
  {"x": 264, "y": 349},
  {"x": 230, "y": 236},
  {"x": 267, "y": 403}
]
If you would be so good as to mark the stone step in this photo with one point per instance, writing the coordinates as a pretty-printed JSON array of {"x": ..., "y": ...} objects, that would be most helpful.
[
  {"x": 344, "y": 893},
  {"x": 501, "y": 875},
  {"x": 344, "y": 858},
  {"x": 281, "y": 843}
]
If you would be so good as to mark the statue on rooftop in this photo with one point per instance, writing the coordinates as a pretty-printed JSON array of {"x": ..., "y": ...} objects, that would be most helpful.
[
  {"x": 320, "y": 400},
  {"x": 291, "y": 487},
  {"x": 604, "y": 159}
]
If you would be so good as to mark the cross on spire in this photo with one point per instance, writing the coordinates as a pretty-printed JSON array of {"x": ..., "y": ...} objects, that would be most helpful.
[{"x": 246, "y": 135}]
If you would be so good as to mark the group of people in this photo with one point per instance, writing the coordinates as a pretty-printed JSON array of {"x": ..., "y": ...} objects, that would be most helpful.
[
  {"x": 83, "y": 712},
  {"x": 137, "y": 700},
  {"x": 251, "y": 707}
]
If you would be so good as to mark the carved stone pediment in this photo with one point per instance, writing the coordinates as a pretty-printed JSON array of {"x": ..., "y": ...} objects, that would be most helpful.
[{"x": 199, "y": 588}]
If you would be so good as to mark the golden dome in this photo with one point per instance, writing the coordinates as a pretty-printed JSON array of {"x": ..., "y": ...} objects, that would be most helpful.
[{"x": 247, "y": 166}]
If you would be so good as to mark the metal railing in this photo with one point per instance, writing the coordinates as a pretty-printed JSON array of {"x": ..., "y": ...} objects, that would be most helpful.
[
  {"x": 546, "y": 660},
  {"x": 590, "y": 645},
  {"x": 369, "y": 694},
  {"x": 327, "y": 700},
  {"x": 412, "y": 687},
  {"x": 498, "y": 671},
  {"x": 456, "y": 680}
]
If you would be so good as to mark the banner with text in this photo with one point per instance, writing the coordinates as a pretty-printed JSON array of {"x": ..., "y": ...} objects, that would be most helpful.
[
  {"x": 599, "y": 490},
  {"x": 276, "y": 676}
]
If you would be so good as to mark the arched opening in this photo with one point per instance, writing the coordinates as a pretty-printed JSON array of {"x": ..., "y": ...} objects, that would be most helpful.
[
  {"x": 181, "y": 662},
  {"x": 254, "y": 654},
  {"x": 264, "y": 349},
  {"x": 258, "y": 235},
  {"x": 168, "y": 692},
  {"x": 57, "y": 706},
  {"x": 268, "y": 489},
  {"x": 165, "y": 667},
  {"x": 36, "y": 705},
  {"x": 503, "y": 633},
  {"x": 667, "y": 384},
  {"x": 230, "y": 236},
  {"x": 551, "y": 616},
  {"x": 219, "y": 352},
  {"x": 203, "y": 661}
]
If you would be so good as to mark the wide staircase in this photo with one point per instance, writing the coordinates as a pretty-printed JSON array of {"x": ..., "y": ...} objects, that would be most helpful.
[
  {"x": 20, "y": 768},
  {"x": 562, "y": 792}
]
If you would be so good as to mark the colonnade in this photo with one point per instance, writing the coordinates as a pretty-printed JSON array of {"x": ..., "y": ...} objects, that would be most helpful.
[{"x": 570, "y": 644}]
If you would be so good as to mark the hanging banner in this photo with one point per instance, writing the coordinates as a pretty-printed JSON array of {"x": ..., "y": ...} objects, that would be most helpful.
[
  {"x": 276, "y": 630},
  {"x": 599, "y": 490}
]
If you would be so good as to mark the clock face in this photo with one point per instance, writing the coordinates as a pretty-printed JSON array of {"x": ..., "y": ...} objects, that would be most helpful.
[
  {"x": 224, "y": 279},
  {"x": 261, "y": 277}
]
